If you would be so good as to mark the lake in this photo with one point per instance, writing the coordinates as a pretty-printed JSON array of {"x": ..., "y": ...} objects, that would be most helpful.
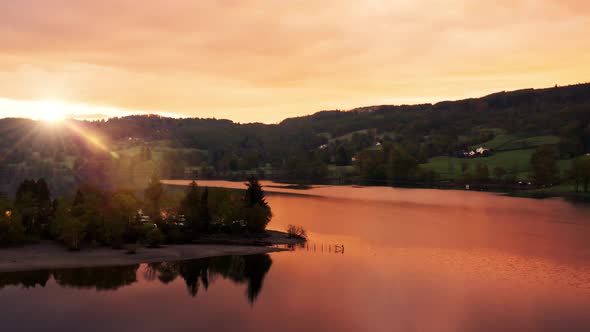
[{"x": 378, "y": 259}]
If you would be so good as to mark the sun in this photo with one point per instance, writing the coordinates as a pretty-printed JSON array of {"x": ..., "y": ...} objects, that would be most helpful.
[{"x": 51, "y": 111}]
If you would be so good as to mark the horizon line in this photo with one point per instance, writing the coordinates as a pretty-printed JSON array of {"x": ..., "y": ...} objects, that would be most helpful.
[{"x": 127, "y": 113}]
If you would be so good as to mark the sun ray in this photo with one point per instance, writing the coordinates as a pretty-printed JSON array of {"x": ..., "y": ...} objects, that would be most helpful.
[{"x": 91, "y": 138}]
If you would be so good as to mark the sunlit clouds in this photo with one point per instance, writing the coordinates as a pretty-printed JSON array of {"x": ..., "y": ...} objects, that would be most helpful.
[{"x": 267, "y": 60}]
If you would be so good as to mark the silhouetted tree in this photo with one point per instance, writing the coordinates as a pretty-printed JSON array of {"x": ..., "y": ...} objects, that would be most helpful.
[
  {"x": 580, "y": 172},
  {"x": 254, "y": 193},
  {"x": 256, "y": 212},
  {"x": 342, "y": 156},
  {"x": 544, "y": 165},
  {"x": 153, "y": 196},
  {"x": 482, "y": 173},
  {"x": 500, "y": 172},
  {"x": 204, "y": 215},
  {"x": 33, "y": 201},
  {"x": 191, "y": 206}
]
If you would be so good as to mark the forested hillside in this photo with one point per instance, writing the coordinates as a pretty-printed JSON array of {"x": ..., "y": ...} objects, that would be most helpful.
[{"x": 377, "y": 144}]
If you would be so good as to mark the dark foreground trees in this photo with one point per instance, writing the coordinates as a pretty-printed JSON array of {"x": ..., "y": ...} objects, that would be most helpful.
[
  {"x": 256, "y": 210},
  {"x": 544, "y": 165},
  {"x": 580, "y": 173},
  {"x": 392, "y": 164},
  {"x": 94, "y": 216}
]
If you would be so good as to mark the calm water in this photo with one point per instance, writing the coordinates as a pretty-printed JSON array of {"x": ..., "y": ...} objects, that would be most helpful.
[{"x": 413, "y": 260}]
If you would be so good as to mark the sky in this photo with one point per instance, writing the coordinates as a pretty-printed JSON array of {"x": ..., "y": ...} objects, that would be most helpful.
[{"x": 266, "y": 60}]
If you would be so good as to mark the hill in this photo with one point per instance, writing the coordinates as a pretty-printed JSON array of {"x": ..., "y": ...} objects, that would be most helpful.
[{"x": 310, "y": 148}]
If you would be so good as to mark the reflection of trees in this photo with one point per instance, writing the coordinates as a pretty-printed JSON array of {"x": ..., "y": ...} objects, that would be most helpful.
[
  {"x": 249, "y": 269},
  {"x": 99, "y": 278},
  {"x": 192, "y": 272},
  {"x": 165, "y": 272},
  {"x": 25, "y": 279}
]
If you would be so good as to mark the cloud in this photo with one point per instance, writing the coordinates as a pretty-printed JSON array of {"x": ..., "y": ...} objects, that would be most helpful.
[{"x": 263, "y": 60}]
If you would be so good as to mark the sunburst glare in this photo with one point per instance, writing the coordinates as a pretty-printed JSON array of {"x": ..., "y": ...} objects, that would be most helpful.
[{"x": 51, "y": 111}]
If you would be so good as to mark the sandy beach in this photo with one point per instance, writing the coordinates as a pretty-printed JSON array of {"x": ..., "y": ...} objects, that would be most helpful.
[{"x": 50, "y": 255}]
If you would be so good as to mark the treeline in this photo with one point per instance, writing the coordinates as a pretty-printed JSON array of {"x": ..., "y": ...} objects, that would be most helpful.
[
  {"x": 392, "y": 164},
  {"x": 302, "y": 148},
  {"x": 93, "y": 216},
  {"x": 442, "y": 128}
]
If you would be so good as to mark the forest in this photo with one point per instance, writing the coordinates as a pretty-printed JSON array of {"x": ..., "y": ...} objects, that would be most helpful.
[
  {"x": 92, "y": 216},
  {"x": 379, "y": 145}
]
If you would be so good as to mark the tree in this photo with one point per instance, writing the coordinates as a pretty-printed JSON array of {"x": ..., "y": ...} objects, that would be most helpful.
[
  {"x": 342, "y": 156},
  {"x": 500, "y": 172},
  {"x": 482, "y": 173},
  {"x": 254, "y": 193},
  {"x": 256, "y": 212},
  {"x": 402, "y": 166},
  {"x": 89, "y": 209},
  {"x": 372, "y": 166},
  {"x": 33, "y": 201},
  {"x": 544, "y": 165},
  {"x": 190, "y": 207},
  {"x": 12, "y": 231},
  {"x": 68, "y": 228},
  {"x": 580, "y": 172},
  {"x": 153, "y": 196},
  {"x": 123, "y": 207},
  {"x": 154, "y": 238},
  {"x": 204, "y": 215}
]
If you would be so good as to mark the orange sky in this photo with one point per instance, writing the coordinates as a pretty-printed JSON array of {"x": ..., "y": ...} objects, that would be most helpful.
[{"x": 265, "y": 60}]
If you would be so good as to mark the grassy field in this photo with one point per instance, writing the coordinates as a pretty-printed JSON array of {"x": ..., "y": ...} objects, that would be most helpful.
[
  {"x": 450, "y": 167},
  {"x": 509, "y": 142},
  {"x": 157, "y": 151},
  {"x": 348, "y": 137},
  {"x": 496, "y": 142}
]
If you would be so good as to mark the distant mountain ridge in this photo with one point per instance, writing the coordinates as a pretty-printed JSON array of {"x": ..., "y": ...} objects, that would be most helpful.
[{"x": 29, "y": 149}]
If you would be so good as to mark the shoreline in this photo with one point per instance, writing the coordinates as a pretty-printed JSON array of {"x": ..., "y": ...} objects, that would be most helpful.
[
  {"x": 288, "y": 188},
  {"x": 50, "y": 255},
  {"x": 46, "y": 256}
]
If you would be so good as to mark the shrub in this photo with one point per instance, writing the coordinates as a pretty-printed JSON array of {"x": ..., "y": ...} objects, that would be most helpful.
[
  {"x": 154, "y": 238},
  {"x": 12, "y": 231},
  {"x": 295, "y": 231},
  {"x": 256, "y": 217}
]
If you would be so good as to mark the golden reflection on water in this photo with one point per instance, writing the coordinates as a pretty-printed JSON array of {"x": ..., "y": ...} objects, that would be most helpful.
[
  {"x": 543, "y": 243},
  {"x": 414, "y": 260}
]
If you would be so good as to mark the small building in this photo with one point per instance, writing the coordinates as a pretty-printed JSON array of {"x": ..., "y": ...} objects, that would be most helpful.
[{"x": 481, "y": 150}]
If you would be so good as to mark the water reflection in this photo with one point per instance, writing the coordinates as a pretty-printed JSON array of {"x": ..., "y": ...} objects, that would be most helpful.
[
  {"x": 413, "y": 260},
  {"x": 99, "y": 278},
  {"x": 29, "y": 279},
  {"x": 249, "y": 270}
]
